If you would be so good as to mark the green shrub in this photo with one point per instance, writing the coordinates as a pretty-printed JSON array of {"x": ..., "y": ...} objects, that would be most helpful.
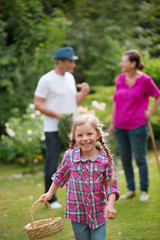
[
  {"x": 23, "y": 142},
  {"x": 64, "y": 128},
  {"x": 152, "y": 68}
]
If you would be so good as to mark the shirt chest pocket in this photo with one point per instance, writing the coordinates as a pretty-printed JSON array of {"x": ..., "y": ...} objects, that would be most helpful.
[
  {"x": 98, "y": 174},
  {"x": 77, "y": 173}
]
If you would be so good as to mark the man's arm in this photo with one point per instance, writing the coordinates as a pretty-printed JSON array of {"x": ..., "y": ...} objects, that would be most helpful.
[
  {"x": 39, "y": 104},
  {"x": 83, "y": 92}
]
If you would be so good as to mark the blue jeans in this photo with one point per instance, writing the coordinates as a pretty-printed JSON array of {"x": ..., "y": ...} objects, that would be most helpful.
[
  {"x": 83, "y": 232},
  {"x": 53, "y": 148},
  {"x": 133, "y": 143}
]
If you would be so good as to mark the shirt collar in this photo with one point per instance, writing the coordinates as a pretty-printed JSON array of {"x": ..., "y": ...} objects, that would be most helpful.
[{"x": 77, "y": 155}]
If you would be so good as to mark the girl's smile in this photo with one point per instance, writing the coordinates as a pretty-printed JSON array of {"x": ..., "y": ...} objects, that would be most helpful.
[{"x": 86, "y": 137}]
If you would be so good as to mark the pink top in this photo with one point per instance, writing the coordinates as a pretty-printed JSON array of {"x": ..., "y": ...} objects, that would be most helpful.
[
  {"x": 86, "y": 191},
  {"x": 132, "y": 102}
]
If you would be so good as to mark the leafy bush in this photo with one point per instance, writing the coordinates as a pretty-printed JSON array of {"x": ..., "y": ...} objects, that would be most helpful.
[
  {"x": 105, "y": 66},
  {"x": 29, "y": 38},
  {"x": 23, "y": 142},
  {"x": 152, "y": 68},
  {"x": 64, "y": 128}
]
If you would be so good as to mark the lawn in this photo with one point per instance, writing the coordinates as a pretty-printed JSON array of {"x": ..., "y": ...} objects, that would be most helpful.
[{"x": 20, "y": 188}]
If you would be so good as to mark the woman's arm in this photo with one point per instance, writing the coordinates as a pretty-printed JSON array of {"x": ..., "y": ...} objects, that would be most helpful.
[
  {"x": 111, "y": 126},
  {"x": 149, "y": 114}
]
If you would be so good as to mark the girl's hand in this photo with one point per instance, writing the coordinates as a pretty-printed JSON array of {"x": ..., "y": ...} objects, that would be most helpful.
[
  {"x": 110, "y": 212},
  {"x": 44, "y": 198}
]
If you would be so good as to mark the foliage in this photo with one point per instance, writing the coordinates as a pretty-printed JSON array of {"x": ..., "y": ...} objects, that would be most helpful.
[
  {"x": 64, "y": 128},
  {"x": 106, "y": 65},
  {"x": 29, "y": 38},
  {"x": 24, "y": 140},
  {"x": 104, "y": 32},
  {"x": 152, "y": 68}
]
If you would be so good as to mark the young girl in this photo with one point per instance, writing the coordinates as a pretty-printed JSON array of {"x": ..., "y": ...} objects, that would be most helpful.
[{"x": 90, "y": 178}]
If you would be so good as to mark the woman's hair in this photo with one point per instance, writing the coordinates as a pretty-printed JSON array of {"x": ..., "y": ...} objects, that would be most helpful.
[
  {"x": 134, "y": 56},
  {"x": 94, "y": 122}
]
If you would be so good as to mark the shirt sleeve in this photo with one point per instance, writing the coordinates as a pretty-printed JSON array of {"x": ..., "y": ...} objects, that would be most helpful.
[
  {"x": 42, "y": 88},
  {"x": 62, "y": 174},
  {"x": 151, "y": 88},
  {"x": 114, "y": 187}
]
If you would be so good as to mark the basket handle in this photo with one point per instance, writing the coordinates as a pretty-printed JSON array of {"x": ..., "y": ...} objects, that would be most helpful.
[{"x": 31, "y": 211}]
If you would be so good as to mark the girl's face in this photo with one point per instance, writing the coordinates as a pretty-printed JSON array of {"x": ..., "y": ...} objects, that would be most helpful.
[
  {"x": 126, "y": 65},
  {"x": 86, "y": 137}
]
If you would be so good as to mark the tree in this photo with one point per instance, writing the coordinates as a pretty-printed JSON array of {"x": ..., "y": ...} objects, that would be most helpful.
[{"x": 28, "y": 41}]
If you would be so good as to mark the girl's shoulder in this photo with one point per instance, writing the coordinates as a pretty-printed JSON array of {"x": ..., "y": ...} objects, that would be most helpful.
[
  {"x": 73, "y": 154},
  {"x": 102, "y": 156}
]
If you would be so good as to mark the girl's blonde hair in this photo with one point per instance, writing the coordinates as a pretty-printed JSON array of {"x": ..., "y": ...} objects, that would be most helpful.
[{"x": 94, "y": 122}]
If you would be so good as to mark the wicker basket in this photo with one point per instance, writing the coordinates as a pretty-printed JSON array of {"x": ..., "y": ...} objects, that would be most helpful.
[{"x": 43, "y": 228}]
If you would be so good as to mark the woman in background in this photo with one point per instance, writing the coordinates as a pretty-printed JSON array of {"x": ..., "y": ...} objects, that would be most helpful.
[{"x": 129, "y": 120}]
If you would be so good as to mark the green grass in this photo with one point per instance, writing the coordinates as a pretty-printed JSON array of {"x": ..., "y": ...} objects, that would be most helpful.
[{"x": 135, "y": 220}]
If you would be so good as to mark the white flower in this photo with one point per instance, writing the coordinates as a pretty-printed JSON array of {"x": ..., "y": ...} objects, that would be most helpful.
[
  {"x": 31, "y": 105},
  {"x": 35, "y": 160},
  {"x": 38, "y": 113},
  {"x": 43, "y": 137},
  {"x": 10, "y": 132},
  {"x": 99, "y": 106},
  {"x": 29, "y": 131},
  {"x": 32, "y": 115},
  {"x": 2, "y": 136},
  {"x": 107, "y": 134},
  {"x": 7, "y": 125}
]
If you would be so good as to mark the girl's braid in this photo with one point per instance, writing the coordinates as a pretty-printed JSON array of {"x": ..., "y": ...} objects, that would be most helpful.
[
  {"x": 72, "y": 143},
  {"x": 106, "y": 149}
]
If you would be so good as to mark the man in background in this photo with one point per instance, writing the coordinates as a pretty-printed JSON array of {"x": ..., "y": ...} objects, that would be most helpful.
[{"x": 55, "y": 95}]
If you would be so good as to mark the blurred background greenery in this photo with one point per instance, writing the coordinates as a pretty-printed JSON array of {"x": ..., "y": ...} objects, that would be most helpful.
[{"x": 99, "y": 32}]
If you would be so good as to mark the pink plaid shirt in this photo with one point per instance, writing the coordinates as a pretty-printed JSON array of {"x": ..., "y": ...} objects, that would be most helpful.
[{"x": 86, "y": 191}]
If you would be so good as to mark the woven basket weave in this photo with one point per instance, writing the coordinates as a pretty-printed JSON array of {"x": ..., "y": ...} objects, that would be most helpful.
[{"x": 43, "y": 228}]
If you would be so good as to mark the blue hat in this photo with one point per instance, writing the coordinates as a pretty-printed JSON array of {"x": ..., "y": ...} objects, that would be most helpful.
[{"x": 65, "y": 53}]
